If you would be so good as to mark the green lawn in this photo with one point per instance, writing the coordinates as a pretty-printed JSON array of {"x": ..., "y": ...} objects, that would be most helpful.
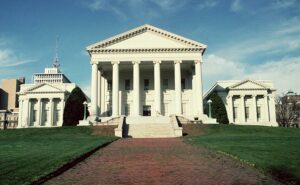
[
  {"x": 273, "y": 150},
  {"x": 27, "y": 154}
]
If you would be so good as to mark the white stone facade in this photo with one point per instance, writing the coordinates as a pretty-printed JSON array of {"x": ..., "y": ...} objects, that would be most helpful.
[
  {"x": 247, "y": 102},
  {"x": 146, "y": 71},
  {"x": 42, "y": 104}
]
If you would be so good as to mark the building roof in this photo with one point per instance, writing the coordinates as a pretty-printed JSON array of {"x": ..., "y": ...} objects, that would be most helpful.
[
  {"x": 224, "y": 85},
  {"x": 182, "y": 42}
]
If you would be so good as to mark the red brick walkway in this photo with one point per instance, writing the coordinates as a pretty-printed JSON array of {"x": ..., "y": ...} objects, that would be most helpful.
[{"x": 158, "y": 161}]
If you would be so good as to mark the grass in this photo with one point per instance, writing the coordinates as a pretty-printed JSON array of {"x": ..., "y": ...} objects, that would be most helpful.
[
  {"x": 28, "y": 154},
  {"x": 274, "y": 150}
]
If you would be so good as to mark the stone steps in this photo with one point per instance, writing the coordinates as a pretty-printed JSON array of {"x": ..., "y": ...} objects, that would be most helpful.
[{"x": 150, "y": 130}]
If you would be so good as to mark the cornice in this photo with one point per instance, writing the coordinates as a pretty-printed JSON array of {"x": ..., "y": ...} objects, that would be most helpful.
[{"x": 147, "y": 50}]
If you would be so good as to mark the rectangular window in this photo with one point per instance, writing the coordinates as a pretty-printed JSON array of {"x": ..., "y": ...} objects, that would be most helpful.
[
  {"x": 127, "y": 85},
  {"x": 247, "y": 113},
  {"x": 146, "y": 110},
  {"x": 165, "y": 84},
  {"x": 146, "y": 84},
  {"x": 182, "y": 83},
  {"x": 109, "y": 85},
  {"x": 235, "y": 113},
  {"x": 258, "y": 113}
]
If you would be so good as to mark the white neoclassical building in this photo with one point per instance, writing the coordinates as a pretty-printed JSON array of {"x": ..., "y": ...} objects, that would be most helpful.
[
  {"x": 247, "y": 102},
  {"x": 147, "y": 72},
  {"x": 41, "y": 104}
]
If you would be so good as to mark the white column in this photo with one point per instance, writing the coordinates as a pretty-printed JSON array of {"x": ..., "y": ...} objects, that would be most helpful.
[
  {"x": 94, "y": 90},
  {"x": 115, "y": 89},
  {"x": 198, "y": 87},
  {"x": 243, "y": 119},
  {"x": 51, "y": 112},
  {"x": 40, "y": 112},
  {"x": 157, "y": 87},
  {"x": 177, "y": 73},
  {"x": 28, "y": 113},
  {"x": 254, "y": 109},
  {"x": 62, "y": 100},
  {"x": 267, "y": 119},
  {"x": 99, "y": 92},
  {"x": 136, "y": 88},
  {"x": 230, "y": 109},
  {"x": 20, "y": 116},
  {"x": 103, "y": 89}
]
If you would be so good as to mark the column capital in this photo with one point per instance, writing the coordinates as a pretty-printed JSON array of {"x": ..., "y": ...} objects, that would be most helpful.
[
  {"x": 136, "y": 62},
  {"x": 156, "y": 61},
  {"x": 115, "y": 62},
  {"x": 93, "y": 62},
  {"x": 253, "y": 95},
  {"x": 242, "y": 95},
  {"x": 177, "y": 61},
  {"x": 197, "y": 61}
]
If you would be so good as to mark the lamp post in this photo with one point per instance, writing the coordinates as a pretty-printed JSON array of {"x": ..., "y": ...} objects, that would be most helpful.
[
  {"x": 209, "y": 108},
  {"x": 84, "y": 114}
]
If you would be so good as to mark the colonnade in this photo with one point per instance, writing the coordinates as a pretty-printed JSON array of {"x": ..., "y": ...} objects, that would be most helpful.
[{"x": 197, "y": 87}]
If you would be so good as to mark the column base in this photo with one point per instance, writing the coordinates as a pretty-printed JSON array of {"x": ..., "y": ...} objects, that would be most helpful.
[{"x": 84, "y": 123}]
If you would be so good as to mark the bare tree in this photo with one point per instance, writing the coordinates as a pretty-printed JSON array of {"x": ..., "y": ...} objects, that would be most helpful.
[{"x": 286, "y": 111}]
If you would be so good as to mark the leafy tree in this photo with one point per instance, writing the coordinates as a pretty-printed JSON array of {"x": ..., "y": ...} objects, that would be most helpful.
[
  {"x": 74, "y": 108},
  {"x": 218, "y": 109},
  {"x": 287, "y": 111}
]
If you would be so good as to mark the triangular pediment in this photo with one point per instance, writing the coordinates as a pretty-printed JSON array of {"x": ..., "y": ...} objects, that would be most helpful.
[
  {"x": 146, "y": 37},
  {"x": 44, "y": 87},
  {"x": 248, "y": 84}
]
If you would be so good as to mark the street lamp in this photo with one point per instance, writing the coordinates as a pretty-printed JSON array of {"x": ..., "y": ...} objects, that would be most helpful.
[
  {"x": 84, "y": 115},
  {"x": 209, "y": 108}
]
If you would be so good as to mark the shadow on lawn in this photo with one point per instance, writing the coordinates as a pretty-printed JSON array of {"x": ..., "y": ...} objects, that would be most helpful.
[
  {"x": 282, "y": 174},
  {"x": 69, "y": 165}
]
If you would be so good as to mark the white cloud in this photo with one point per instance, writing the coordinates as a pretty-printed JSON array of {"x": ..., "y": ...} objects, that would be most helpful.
[
  {"x": 207, "y": 4},
  {"x": 141, "y": 9},
  {"x": 236, "y": 6},
  {"x": 283, "y": 4},
  {"x": 284, "y": 72}
]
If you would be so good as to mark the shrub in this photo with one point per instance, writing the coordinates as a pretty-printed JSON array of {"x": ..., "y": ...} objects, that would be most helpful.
[
  {"x": 74, "y": 108},
  {"x": 218, "y": 109}
]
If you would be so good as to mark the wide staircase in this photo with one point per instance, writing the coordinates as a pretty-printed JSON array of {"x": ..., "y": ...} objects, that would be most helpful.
[{"x": 151, "y": 127}]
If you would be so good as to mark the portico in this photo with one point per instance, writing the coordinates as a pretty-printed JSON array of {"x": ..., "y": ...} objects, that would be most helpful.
[{"x": 146, "y": 72}]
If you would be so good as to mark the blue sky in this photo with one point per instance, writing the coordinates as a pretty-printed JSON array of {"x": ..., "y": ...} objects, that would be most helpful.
[{"x": 246, "y": 39}]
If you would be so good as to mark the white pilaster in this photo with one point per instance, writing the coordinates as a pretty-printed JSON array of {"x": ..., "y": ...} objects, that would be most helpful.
[
  {"x": 198, "y": 87},
  {"x": 40, "y": 112},
  {"x": 102, "y": 92},
  {"x": 20, "y": 117},
  {"x": 115, "y": 89},
  {"x": 254, "y": 109},
  {"x": 243, "y": 118},
  {"x": 99, "y": 92},
  {"x": 94, "y": 90},
  {"x": 61, "y": 120},
  {"x": 136, "y": 88},
  {"x": 28, "y": 113},
  {"x": 177, "y": 73},
  {"x": 51, "y": 112},
  {"x": 230, "y": 109},
  {"x": 157, "y": 87},
  {"x": 266, "y": 105}
]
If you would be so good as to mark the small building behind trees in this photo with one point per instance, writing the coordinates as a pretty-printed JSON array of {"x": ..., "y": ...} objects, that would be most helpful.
[{"x": 247, "y": 102}]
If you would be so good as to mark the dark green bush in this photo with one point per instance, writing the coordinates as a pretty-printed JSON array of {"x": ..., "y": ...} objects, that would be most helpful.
[
  {"x": 74, "y": 108},
  {"x": 218, "y": 109}
]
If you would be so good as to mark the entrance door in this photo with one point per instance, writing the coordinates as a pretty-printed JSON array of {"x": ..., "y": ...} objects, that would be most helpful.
[{"x": 146, "y": 110}]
